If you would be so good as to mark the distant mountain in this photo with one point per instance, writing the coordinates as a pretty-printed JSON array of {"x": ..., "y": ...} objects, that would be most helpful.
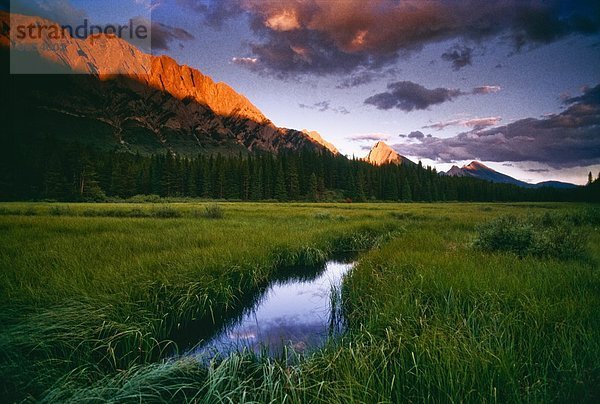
[
  {"x": 554, "y": 184},
  {"x": 479, "y": 170},
  {"x": 381, "y": 154},
  {"x": 153, "y": 105}
]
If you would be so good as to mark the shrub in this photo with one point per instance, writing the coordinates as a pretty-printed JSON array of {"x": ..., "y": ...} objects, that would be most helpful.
[
  {"x": 59, "y": 211},
  {"x": 323, "y": 215},
  {"x": 545, "y": 236},
  {"x": 145, "y": 199},
  {"x": 30, "y": 212},
  {"x": 402, "y": 215},
  {"x": 213, "y": 211},
  {"x": 328, "y": 216},
  {"x": 165, "y": 212}
]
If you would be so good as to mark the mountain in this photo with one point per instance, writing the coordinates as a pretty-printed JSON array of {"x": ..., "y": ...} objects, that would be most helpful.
[
  {"x": 381, "y": 154},
  {"x": 316, "y": 136},
  {"x": 555, "y": 184},
  {"x": 152, "y": 105},
  {"x": 479, "y": 170}
]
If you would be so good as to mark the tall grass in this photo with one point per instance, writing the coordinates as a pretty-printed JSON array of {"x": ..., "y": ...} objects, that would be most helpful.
[
  {"x": 89, "y": 305},
  {"x": 107, "y": 292}
]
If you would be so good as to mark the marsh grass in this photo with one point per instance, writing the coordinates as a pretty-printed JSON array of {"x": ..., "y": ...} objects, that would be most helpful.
[
  {"x": 90, "y": 305},
  {"x": 549, "y": 235},
  {"x": 213, "y": 211}
]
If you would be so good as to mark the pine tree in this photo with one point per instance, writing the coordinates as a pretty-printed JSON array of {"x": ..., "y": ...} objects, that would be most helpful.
[
  {"x": 406, "y": 192},
  {"x": 293, "y": 184},
  {"x": 207, "y": 179},
  {"x": 313, "y": 190},
  {"x": 360, "y": 187},
  {"x": 279, "y": 191},
  {"x": 257, "y": 182}
]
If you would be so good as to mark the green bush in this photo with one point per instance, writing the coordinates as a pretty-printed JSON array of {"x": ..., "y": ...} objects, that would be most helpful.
[
  {"x": 545, "y": 236},
  {"x": 324, "y": 215},
  {"x": 165, "y": 212},
  {"x": 60, "y": 211},
  {"x": 213, "y": 211},
  {"x": 145, "y": 199}
]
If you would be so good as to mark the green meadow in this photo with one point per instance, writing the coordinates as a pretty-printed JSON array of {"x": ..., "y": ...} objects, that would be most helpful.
[{"x": 448, "y": 302}]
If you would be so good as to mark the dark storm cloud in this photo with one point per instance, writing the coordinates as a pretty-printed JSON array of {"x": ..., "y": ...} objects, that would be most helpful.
[
  {"x": 567, "y": 139},
  {"x": 408, "y": 96},
  {"x": 324, "y": 36},
  {"x": 459, "y": 56}
]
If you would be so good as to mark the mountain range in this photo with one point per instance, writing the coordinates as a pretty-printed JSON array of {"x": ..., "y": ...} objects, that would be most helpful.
[
  {"x": 154, "y": 105},
  {"x": 479, "y": 170}
]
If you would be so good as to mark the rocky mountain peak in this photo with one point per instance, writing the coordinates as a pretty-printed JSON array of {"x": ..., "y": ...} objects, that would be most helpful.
[
  {"x": 316, "y": 136},
  {"x": 381, "y": 154}
]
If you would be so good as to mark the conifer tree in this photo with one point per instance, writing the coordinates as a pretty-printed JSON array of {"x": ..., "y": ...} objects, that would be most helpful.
[
  {"x": 406, "y": 192},
  {"x": 279, "y": 192},
  {"x": 313, "y": 188}
]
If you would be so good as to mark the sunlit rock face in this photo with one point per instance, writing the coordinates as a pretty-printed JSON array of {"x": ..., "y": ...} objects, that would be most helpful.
[
  {"x": 381, "y": 154},
  {"x": 143, "y": 103}
]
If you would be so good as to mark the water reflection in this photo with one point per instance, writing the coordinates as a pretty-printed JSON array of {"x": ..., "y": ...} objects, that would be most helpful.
[{"x": 294, "y": 311}]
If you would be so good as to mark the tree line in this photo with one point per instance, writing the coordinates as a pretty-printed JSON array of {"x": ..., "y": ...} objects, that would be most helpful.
[{"x": 81, "y": 173}]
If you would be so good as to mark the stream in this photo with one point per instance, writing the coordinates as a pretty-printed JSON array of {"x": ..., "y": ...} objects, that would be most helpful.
[{"x": 295, "y": 311}]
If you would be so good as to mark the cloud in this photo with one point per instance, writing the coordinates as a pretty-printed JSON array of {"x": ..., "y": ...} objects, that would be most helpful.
[
  {"x": 60, "y": 11},
  {"x": 538, "y": 170},
  {"x": 416, "y": 135},
  {"x": 408, "y": 96},
  {"x": 214, "y": 13},
  {"x": 475, "y": 123},
  {"x": 64, "y": 12},
  {"x": 150, "y": 5},
  {"x": 356, "y": 80},
  {"x": 330, "y": 37},
  {"x": 562, "y": 140},
  {"x": 365, "y": 77},
  {"x": 324, "y": 106},
  {"x": 486, "y": 90},
  {"x": 367, "y": 138},
  {"x": 244, "y": 61},
  {"x": 459, "y": 56},
  {"x": 163, "y": 35},
  {"x": 589, "y": 96}
]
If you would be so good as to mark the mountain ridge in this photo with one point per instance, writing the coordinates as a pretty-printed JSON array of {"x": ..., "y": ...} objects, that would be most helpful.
[
  {"x": 381, "y": 154},
  {"x": 152, "y": 104},
  {"x": 476, "y": 169}
]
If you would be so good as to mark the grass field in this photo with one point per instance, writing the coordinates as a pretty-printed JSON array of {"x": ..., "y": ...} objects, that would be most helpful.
[{"x": 93, "y": 296}]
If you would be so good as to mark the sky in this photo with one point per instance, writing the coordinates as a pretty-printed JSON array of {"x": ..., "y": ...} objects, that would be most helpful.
[{"x": 513, "y": 83}]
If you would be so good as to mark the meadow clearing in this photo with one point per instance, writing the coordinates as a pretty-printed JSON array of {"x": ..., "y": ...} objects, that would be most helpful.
[{"x": 448, "y": 302}]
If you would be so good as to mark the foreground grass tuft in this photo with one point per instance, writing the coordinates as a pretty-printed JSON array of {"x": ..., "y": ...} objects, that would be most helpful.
[{"x": 546, "y": 236}]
